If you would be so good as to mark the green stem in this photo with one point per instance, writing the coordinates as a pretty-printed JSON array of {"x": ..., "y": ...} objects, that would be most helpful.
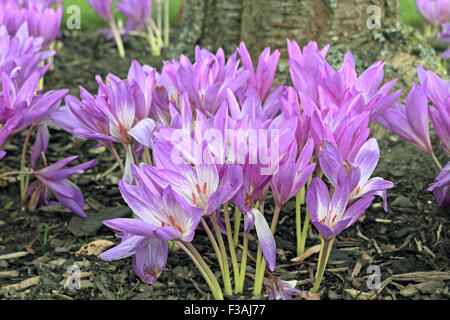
[
  {"x": 298, "y": 221},
  {"x": 231, "y": 246},
  {"x": 166, "y": 24},
  {"x": 324, "y": 254},
  {"x": 117, "y": 39},
  {"x": 11, "y": 173},
  {"x": 203, "y": 268},
  {"x": 243, "y": 263},
  {"x": 116, "y": 156},
  {"x": 213, "y": 243},
  {"x": 226, "y": 271},
  {"x": 22, "y": 164},
  {"x": 237, "y": 225}
]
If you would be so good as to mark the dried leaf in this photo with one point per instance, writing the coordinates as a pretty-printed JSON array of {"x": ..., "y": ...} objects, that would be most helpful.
[
  {"x": 94, "y": 248},
  {"x": 307, "y": 254}
]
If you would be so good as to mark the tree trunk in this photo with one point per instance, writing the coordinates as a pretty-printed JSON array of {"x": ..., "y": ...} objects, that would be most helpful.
[{"x": 343, "y": 24}]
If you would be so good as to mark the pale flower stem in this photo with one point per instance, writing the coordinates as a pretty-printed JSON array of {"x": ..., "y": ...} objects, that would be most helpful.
[
  {"x": 213, "y": 243},
  {"x": 117, "y": 39},
  {"x": 226, "y": 271},
  {"x": 203, "y": 268},
  {"x": 22, "y": 163},
  {"x": 439, "y": 165},
  {"x": 116, "y": 156},
  {"x": 231, "y": 246}
]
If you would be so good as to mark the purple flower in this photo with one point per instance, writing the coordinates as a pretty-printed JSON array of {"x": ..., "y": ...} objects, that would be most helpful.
[
  {"x": 2, "y": 154},
  {"x": 434, "y": 11},
  {"x": 292, "y": 174},
  {"x": 19, "y": 108},
  {"x": 359, "y": 171},
  {"x": 55, "y": 179},
  {"x": 441, "y": 187},
  {"x": 262, "y": 79},
  {"x": 103, "y": 9},
  {"x": 162, "y": 217},
  {"x": 331, "y": 217},
  {"x": 138, "y": 13},
  {"x": 410, "y": 121},
  {"x": 48, "y": 30},
  {"x": 21, "y": 55},
  {"x": 438, "y": 92},
  {"x": 278, "y": 289}
]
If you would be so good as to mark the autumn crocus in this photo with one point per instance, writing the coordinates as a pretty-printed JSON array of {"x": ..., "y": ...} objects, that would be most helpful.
[
  {"x": 435, "y": 12},
  {"x": 55, "y": 179},
  {"x": 162, "y": 217},
  {"x": 441, "y": 187},
  {"x": 118, "y": 114},
  {"x": 336, "y": 168},
  {"x": 331, "y": 217}
]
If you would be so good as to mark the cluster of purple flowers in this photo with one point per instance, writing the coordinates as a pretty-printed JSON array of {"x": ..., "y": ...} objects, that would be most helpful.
[
  {"x": 25, "y": 105},
  {"x": 219, "y": 132},
  {"x": 437, "y": 14}
]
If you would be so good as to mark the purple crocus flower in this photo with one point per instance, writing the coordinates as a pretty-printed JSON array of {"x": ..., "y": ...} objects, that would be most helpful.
[
  {"x": 445, "y": 35},
  {"x": 48, "y": 30},
  {"x": 162, "y": 217},
  {"x": 262, "y": 79},
  {"x": 434, "y": 12},
  {"x": 359, "y": 171},
  {"x": 441, "y": 187},
  {"x": 410, "y": 121},
  {"x": 292, "y": 174},
  {"x": 138, "y": 13},
  {"x": 55, "y": 179},
  {"x": 2, "y": 154},
  {"x": 438, "y": 92},
  {"x": 21, "y": 54},
  {"x": 103, "y": 9},
  {"x": 331, "y": 217},
  {"x": 278, "y": 289}
]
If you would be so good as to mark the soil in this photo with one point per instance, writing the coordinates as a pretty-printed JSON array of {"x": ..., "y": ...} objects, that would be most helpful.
[{"x": 409, "y": 243}]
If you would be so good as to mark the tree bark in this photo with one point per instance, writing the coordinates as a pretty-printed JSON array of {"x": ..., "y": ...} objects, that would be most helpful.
[{"x": 343, "y": 24}]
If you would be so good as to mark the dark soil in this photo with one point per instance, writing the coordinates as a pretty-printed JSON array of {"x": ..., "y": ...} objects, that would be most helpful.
[{"x": 409, "y": 243}]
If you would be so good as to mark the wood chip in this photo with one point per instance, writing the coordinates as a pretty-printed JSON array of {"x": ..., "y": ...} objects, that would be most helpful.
[
  {"x": 307, "y": 254},
  {"x": 419, "y": 244},
  {"x": 422, "y": 276},
  {"x": 383, "y": 220},
  {"x": 25, "y": 284},
  {"x": 438, "y": 233},
  {"x": 428, "y": 251},
  {"x": 9, "y": 274},
  {"x": 359, "y": 233},
  {"x": 14, "y": 255},
  {"x": 356, "y": 270}
]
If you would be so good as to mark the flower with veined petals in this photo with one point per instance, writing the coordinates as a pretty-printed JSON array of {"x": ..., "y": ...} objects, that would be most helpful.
[
  {"x": 163, "y": 217},
  {"x": 336, "y": 169},
  {"x": 331, "y": 217}
]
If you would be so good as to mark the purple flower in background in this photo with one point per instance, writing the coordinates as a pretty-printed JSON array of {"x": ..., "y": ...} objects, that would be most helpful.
[
  {"x": 138, "y": 13},
  {"x": 21, "y": 55},
  {"x": 55, "y": 179},
  {"x": 162, "y": 217},
  {"x": 331, "y": 217},
  {"x": 262, "y": 79},
  {"x": 434, "y": 12},
  {"x": 103, "y": 9},
  {"x": 445, "y": 35},
  {"x": 48, "y": 30},
  {"x": 441, "y": 187}
]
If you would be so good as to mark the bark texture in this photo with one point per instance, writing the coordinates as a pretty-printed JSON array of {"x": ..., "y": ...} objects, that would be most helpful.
[{"x": 343, "y": 24}]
